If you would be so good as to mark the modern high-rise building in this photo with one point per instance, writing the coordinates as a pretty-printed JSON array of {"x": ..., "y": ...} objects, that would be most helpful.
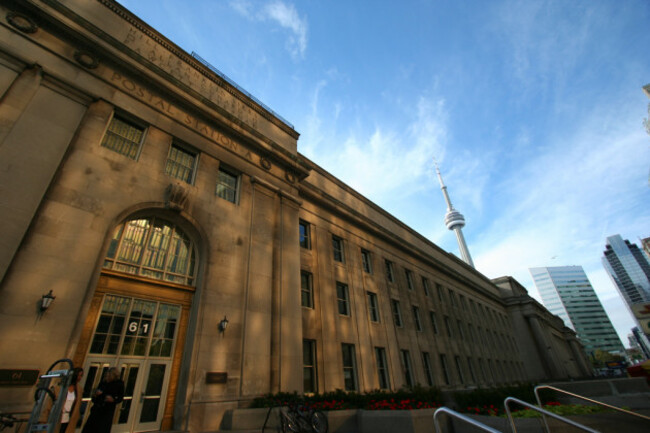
[
  {"x": 629, "y": 269},
  {"x": 567, "y": 292}
]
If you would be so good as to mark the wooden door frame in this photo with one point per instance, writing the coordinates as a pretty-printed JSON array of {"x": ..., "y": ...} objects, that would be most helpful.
[{"x": 116, "y": 283}]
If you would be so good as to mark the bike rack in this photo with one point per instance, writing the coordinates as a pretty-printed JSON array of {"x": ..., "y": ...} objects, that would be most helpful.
[
  {"x": 544, "y": 412},
  {"x": 461, "y": 417}
]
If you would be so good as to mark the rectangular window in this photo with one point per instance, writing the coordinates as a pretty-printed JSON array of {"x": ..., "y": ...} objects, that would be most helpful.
[
  {"x": 460, "y": 369},
  {"x": 123, "y": 137},
  {"x": 389, "y": 271},
  {"x": 305, "y": 234},
  {"x": 470, "y": 366},
  {"x": 406, "y": 366},
  {"x": 366, "y": 263},
  {"x": 309, "y": 377},
  {"x": 228, "y": 185},
  {"x": 445, "y": 368},
  {"x": 342, "y": 299},
  {"x": 428, "y": 371},
  {"x": 481, "y": 366},
  {"x": 425, "y": 286},
  {"x": 434, "y": 322},
  {"x": 337, "y": 249},
  {"x": 461, "y": 333},
  {"x": 306, "y": 289},
  {"x": 416, "y": 318},
  {"x": 448, "y": 327},
  {"x": 409, "y": 279},
  {"x": 463, "y": 304},
  {"x": 470, "y": 333},
  {"x": 452, "y": 298},
  {"x": 382, "y": 368},
  {"x": 397, "y": 314},
  {"x": 439, "y": 292},
  {"x": 373, "y": 308},
  {"x": 181, "y": 163},
  {"x": 349, "y": 367}
]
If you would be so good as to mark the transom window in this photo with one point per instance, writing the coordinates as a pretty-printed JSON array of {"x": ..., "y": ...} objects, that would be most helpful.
[
  {"x": 152, "y": 248},
  {"x": 123, "y": 137},
  {"x": 135, "y": 327},
  {"x": 227, "y": 185},
  {"x": 181, "y": 163}
]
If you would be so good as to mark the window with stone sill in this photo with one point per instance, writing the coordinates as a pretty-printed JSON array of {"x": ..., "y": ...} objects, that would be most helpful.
[
  {"x": 337, "y": 249},
  {"x": 181, "y": 163},
  {"x": 228, "y": 185},
  {"x": 124, "y": 137}
]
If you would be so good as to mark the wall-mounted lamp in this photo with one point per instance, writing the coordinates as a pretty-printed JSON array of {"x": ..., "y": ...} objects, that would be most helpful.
[
  {"x": 223, "y": 324},
  {"x": 46, "y": 301}
]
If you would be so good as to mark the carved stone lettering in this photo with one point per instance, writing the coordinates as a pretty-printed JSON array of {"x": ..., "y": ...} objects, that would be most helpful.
[
  {"x": 176, "y": 67},
  {"x": 161, "y": 104}
]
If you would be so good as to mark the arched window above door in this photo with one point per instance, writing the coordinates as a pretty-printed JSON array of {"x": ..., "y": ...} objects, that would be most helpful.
[{"x": 152, "y": 248}]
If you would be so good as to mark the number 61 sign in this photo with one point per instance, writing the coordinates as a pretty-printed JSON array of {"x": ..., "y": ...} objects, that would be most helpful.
[{"x": 137, "y": 327}]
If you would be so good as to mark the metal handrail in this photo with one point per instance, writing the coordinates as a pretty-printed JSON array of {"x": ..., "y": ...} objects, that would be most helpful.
[
  {"x": 539, "y": 401},
  {"x": 461, "y": 417},
  {"x": 543, "y": 412}
]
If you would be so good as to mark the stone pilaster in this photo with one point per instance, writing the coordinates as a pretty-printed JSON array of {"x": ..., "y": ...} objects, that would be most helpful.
[
  {"x": 37, "y": 126},
  {"x": 17, "y": 98}
]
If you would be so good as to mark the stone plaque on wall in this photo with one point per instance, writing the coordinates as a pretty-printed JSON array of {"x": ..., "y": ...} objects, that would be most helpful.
[
  {"x": 18, "y": 377},
  {"x": 216, "y": 377}
]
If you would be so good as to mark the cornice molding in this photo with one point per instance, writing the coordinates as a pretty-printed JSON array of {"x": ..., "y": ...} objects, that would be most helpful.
[
  {"x": 336, "y": 207},
  {"x": 200, "y": 67}
]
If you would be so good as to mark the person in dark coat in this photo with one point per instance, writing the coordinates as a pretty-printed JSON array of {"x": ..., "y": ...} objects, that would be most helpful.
[{"x": 105, "y": 398}]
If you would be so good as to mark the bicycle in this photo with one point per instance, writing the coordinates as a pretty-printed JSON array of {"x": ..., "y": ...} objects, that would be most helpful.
[
  {"x": 8, "y": 420},
  {"x": 302, "y": 419}
]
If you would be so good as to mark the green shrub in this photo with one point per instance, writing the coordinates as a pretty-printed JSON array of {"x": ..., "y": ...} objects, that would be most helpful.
[{"x": 404, "y": 399}]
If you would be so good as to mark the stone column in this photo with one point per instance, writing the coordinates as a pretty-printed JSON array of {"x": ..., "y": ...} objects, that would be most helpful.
[
  {"x": 578, "y": 355},
  {"x": 543, "y": 347},
  {"x": 17, "y": 97}
]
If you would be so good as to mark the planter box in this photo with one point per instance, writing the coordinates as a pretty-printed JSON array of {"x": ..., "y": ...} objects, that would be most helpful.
[{"x": 421, "y": 421}]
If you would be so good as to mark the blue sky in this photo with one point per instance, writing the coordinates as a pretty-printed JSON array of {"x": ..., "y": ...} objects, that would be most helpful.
[{"x": 533, "y": 109}]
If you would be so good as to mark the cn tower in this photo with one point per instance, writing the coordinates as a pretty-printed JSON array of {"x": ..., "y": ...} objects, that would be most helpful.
[{"x": 455, "y": 221}]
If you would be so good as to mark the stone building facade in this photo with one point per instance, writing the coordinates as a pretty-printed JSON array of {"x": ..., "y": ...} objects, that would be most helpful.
[{"x": 158, "y": 202}]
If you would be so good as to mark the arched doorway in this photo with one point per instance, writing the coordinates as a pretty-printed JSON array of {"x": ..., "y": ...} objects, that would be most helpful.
[{"x": 138, "y": 319}]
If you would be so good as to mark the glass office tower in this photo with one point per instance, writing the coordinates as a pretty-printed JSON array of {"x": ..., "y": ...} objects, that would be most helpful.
[
  {"x": 567, "y": 292},
  {"x": 629, "y": 269}
]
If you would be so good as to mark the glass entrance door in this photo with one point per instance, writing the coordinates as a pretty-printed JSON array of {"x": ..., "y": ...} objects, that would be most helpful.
[{"x": 138, "y": 337}]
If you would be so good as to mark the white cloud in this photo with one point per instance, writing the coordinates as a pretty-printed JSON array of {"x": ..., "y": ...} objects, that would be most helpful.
[
  {"x": 384, "y": 163},
  {"x": 557, "y": 209},
  {"x": 283, "y": 14}
]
